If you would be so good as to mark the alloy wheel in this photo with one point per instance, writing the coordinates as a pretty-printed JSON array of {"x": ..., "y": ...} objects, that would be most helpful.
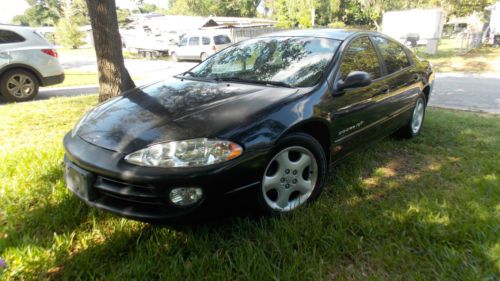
[
  {"x": 290, "y": 178},
  {"x": 20, "y": 86},
  {"x": 418, "y": 116}
]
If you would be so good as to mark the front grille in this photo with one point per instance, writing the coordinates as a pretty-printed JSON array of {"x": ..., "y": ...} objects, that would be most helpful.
[{"x": 128, "y": 192}]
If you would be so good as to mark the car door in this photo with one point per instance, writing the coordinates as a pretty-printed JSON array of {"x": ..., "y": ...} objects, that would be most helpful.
[
  {"x": 194, "y": 47},
  {"x": 354, "y": 112},
  {"x": 403, "y": 83},
  {"x": 181, "y": 50}
]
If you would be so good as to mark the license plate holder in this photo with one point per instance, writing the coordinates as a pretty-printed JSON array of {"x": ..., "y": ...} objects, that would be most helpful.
[{"x": 79, "y": 181}]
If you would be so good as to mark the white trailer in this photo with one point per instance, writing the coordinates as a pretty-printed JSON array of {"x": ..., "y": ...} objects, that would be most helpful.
[
  {"x": 494, "y": 26},
  {"x": 426, "y": 25}
]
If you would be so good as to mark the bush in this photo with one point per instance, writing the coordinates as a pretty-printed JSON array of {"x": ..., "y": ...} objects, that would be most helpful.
[
  {"x": 68, "y": 34},
  {"x": 336, "y": 24}
]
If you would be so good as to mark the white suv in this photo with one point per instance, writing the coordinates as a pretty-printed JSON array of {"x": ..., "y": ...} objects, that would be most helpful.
[
  {"x": 27, "y": 61},
  {"x": 199, "y": 46}
]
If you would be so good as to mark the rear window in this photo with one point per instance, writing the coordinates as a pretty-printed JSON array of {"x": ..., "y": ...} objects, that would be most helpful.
[
  {"x": 7, "y": 36},
  {"x": 221, "y": 40}
]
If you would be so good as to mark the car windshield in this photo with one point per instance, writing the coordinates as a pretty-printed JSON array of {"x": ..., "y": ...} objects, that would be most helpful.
[{"x": 282, "y": 61}]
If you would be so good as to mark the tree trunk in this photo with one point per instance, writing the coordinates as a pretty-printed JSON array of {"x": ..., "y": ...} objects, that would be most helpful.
[{"x": 113, "y": 76}]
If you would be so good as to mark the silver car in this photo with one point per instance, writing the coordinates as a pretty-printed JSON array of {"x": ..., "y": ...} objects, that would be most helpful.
[
  {"x": 27, "y": 61},
  {"x": 200, "y": 46}
]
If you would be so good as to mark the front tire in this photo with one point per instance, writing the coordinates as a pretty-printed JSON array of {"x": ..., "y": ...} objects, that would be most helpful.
[
  {"x": 416, "y": 121},
  {"x": 203, "y": 56},
  {"x": 294, "y": 175},
  {"x": 18, "y": 85}
]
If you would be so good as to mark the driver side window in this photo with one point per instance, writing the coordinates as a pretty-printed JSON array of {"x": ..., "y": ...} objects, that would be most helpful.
[{"x": 360, "y": 56}]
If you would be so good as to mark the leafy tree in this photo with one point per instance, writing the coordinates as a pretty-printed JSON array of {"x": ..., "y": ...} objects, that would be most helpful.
[
  {"x": 40, "y": 13},
  {"x": 230, "y": 8},
  {"x": 68, "y": 34}
]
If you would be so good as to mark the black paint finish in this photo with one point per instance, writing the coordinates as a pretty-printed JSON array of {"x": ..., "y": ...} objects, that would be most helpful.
[{"x": 254, "y": 116}]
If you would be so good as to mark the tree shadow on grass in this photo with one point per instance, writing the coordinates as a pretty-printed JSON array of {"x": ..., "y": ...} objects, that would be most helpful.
[
  {"x": 56, "y": 212},
  {"x": 389, "y": 215},
  {"x": 384, "y": 201}
]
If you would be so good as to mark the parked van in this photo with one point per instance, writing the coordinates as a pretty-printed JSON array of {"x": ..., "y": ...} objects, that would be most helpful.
[{"x": 200, "y": 46}]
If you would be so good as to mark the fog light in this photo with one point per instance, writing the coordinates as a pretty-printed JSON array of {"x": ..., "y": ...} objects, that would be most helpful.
[{"x": 185, "y": 196}]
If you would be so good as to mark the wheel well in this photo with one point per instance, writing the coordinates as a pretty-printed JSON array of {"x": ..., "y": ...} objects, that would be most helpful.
[
  {"x": 317, "y": 130},
  {"x": 426, "y": 91},
  {"x": 37, "y": 76}
]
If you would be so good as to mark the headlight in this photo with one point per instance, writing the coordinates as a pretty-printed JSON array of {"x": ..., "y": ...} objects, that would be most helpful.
[{"x": 188, "y": 153}]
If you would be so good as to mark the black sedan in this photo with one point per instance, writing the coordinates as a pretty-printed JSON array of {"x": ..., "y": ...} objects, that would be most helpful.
[{"x": 265, "y": 116}]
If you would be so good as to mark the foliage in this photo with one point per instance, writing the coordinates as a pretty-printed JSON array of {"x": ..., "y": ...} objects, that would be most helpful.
[
  {"x": 48, "y": 12},
  {"x": 337, "y": 24},
  {"x": 123, "y": 16},
  {"x": 421, "y": 209},
  {"x": 40, "y": 13},
  {"x": 68, "y": 34},
  {"x": 297, "y": 13},
  {"x": 229, "y": 8}
]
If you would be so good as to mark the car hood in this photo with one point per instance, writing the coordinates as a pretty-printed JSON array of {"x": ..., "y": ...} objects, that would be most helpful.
[{"x": 175, "y": 109}]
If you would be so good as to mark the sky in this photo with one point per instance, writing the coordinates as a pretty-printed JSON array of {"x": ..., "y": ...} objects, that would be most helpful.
[
  {"x": 11, "y": 8},
  {"x": 8, "y": 9}
]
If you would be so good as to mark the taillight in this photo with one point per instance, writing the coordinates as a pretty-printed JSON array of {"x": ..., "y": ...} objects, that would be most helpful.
[
  {"x": 50, "y": 52},
  {"x": 213, "y": 48}
]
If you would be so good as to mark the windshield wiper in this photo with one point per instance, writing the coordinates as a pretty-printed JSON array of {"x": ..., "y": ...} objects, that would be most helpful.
[{"x": 237, "y": 79}]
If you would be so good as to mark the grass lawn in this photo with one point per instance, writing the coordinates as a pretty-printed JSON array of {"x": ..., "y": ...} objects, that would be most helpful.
[
  {"x": 450, "y": 59},
  {"x": 421, "y": 209},
  {"x": 77, "y": 78}
]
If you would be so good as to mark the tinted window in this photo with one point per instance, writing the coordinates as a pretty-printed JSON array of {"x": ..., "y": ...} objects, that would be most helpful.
[
  {"x": 205, "y": 40},
  {"x": 221, "y": 40},
  {"x": 395, "y": 57},
  {"x": 7, "y": 36},
  {"x": 298, "y": 61},
  {"x": 360, "y": 56},
  {"x": 194, "y": 41},
  {"x": 183, "y": 42}
]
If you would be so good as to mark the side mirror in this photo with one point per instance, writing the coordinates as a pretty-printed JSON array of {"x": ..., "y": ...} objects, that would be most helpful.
[{"x": 354, "y": 79}]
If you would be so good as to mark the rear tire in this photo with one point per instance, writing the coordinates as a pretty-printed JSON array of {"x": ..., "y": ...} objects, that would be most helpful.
[
  {"x": 18, "y": 85},
  {"x": 416, "y": 120},
  {"x": 294, "y": 175}
]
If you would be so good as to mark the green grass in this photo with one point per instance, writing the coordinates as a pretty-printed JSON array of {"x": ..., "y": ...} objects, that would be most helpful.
[
  {"x": 450, "y": 58},
  {"x": 78, "y": 78},
  {"x": 421, "y": 209}
]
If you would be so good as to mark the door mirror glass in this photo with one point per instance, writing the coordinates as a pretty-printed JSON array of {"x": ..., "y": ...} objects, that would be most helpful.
[{"x": 355, "y": 79}]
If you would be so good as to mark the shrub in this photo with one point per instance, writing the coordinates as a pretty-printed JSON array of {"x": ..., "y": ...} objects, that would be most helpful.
[
  {"x": 68, "y": 34},
  {"x": 336, "y": 24}
]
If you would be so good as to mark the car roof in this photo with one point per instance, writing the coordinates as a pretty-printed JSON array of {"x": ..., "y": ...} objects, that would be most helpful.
[
  {"x": 338, "y": 34},
  {"x": 206, "y": 34}
]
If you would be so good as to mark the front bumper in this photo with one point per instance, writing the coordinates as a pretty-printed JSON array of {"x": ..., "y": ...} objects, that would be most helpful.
[{"x": 141, "y": 193}]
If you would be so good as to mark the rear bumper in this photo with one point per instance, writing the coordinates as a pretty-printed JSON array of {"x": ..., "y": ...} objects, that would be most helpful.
[
  {"x": 52, "y": 80},
  {"x": 141, "y": 193}
]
